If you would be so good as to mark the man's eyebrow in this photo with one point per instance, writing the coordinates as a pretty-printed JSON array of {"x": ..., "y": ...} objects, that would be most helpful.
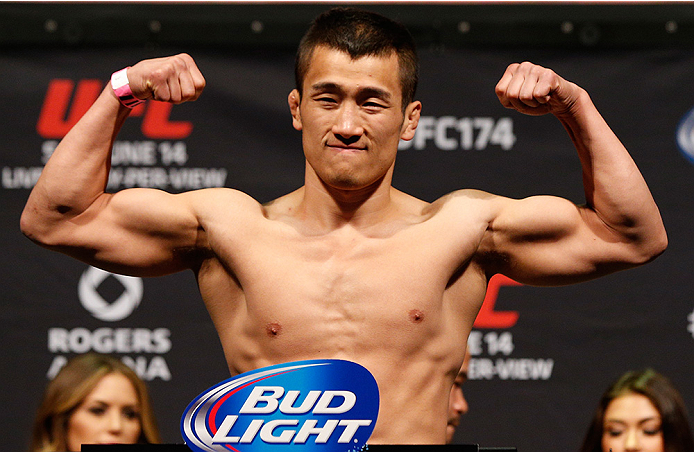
[
  {"x": 367, "y": 91},
  {"x": 326, "y": 86},
  {"x": 375, "y": 92}
]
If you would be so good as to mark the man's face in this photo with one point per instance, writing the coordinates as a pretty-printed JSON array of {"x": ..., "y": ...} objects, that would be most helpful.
[{"x": 351, "y": 117}]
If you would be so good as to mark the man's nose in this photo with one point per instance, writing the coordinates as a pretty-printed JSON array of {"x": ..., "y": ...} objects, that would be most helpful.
[
  {"x": 459, "y": 402},
  {"x": 463, "y": 404},
  {"x": 347, "y": 124}
]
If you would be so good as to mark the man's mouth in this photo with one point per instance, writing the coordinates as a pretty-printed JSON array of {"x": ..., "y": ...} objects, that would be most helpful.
[{"x": 341, "y": 147}]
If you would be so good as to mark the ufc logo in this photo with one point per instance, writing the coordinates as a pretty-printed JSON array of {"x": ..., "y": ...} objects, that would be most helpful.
[{"x": 58, "y": 116}]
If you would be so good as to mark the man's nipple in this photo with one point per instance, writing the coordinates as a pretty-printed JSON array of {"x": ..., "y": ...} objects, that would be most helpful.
[
  {"x": 416, "y": 316},
  {"x": 273, "y": 329}
]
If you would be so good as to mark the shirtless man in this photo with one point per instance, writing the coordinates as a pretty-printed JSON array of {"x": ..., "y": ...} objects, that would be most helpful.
[{"x": 347, "y": 266}]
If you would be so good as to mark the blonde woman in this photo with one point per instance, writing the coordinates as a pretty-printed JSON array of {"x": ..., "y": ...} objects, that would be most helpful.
[{"x": 94, "y": 399}]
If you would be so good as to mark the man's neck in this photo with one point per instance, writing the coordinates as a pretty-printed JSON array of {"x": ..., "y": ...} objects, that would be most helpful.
[{"x": 331, "y": 208}]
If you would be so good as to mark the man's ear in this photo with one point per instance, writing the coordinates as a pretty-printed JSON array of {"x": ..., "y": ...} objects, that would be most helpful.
[
  {"x": 411, "y": 121},
  {"x": 294, "y": 100}
]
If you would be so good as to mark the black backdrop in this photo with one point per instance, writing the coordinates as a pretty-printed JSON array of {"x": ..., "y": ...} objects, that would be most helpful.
[{"x": 536, "y": 373}]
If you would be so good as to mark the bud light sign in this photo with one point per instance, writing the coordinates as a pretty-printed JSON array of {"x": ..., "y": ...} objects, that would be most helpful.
[{"x": 318, "y": 405}]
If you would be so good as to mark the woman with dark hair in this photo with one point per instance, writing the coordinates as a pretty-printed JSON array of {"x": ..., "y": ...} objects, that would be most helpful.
[
  {"x": 94, "y": 399},
  {"x": 641, "y": 411}
]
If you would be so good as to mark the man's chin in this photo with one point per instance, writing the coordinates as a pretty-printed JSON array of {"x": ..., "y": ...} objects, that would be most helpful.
[
  {"x": 346, "y": 183},
  {"x": 450, "y": 431}
]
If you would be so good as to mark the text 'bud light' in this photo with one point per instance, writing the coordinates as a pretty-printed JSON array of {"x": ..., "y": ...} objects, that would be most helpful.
[{"x": 317, "y": 405}]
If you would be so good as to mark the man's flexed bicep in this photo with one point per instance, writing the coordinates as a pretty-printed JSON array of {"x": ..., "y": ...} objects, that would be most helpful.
[
  {"x": 142, "y": 232},
  {"x": 68, "y": 208},
  {"x": 547, "y": 240}
]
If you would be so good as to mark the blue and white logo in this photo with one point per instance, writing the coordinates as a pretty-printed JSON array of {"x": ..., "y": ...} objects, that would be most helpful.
[
  {"x": 685, "y": 135},
  {"x": 317, "y": 405}
]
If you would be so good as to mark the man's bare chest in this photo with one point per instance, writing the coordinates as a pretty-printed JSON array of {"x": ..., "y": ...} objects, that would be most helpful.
[
  {"x": 339, "y": 271},
  {"x": 343, "y": 295}
]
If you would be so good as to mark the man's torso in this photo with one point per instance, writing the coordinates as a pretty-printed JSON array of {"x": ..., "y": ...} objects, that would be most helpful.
[{"x": 398, "y": 298}]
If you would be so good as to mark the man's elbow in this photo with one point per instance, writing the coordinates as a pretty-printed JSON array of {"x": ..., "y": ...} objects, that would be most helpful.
[
  {"x": 27, "y": 224},
  {"x": 651, "y": 247},
  {"x": 34, "y": 227},
  {"x": 661, "y": 244}
]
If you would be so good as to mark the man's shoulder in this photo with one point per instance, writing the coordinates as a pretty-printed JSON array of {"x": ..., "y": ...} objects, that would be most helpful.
[
  {"x": 213, "y": 202},
  {"x": 464, "y": 201},
  {"x": 216, "y": 193}
]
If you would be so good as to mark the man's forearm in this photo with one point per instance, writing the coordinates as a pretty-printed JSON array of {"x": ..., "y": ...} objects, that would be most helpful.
[
  {"x": 77, "y": 172},
  {"x": 614, "y": 186}
]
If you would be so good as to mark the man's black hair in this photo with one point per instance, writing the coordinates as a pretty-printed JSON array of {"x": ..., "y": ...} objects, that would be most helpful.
[{"x": 360, "y": 33}]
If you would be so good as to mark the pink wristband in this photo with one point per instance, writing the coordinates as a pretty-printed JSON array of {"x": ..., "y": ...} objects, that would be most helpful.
[{"x": 121, "y": 87}]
